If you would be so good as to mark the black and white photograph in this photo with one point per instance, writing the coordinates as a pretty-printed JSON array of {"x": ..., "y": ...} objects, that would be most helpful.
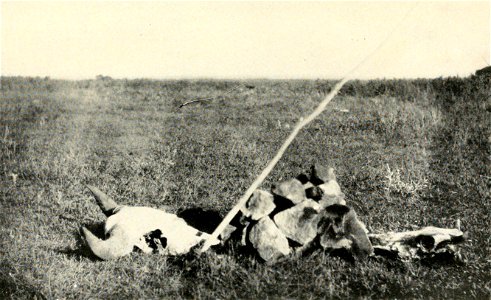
[{"x": 245, "y": 150}]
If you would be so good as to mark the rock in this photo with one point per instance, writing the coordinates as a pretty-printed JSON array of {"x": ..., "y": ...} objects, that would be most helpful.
[
  {"x": 358, "y": 234},
  {"x": 259, "y": 205},
  {"x": 227, "y": 233},
  {"x": 326, "y": 194},
  {"x": 308, "y": 185},
  {"x": 326, "y": 187},
  {"x": 338, "y": 222},
  {"x": 330, "y": 188},
  {"x": 268, "y": 240},
  {"x": 292, "y": 190},
  {"x": 331, "y": 194},
  {"x": 299, "y": 223},
  {"x": 320, "y": 174},
  {"x": 335, "y": 244},
  {"x": 331, "y": 200},
  {"x": 331, "y": 223}
]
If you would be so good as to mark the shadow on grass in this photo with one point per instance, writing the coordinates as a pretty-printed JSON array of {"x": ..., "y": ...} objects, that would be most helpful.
[
  {"x": 203, "y": 220},
  {"x": 444, "y": 259},
  {"x": 82, "y": 250}
]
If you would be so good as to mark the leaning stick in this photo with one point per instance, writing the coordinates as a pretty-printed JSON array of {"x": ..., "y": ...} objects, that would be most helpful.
[
  {"x": 198, "y": 100},
  {"x": 302, "y": 123},
  {"x": 209, "y": 98}
]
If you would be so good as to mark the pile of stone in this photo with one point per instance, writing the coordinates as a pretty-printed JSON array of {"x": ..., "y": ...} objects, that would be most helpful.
[
  {"x": 309, "y": 212},
  {"x": 301, "y": 214}
]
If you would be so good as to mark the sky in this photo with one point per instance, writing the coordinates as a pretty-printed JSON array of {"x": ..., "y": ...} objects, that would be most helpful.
[{"x": 298, "y": 39}]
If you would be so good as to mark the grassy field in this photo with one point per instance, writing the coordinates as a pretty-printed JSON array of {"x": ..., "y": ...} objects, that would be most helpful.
[{"x": 407, "y": 154}]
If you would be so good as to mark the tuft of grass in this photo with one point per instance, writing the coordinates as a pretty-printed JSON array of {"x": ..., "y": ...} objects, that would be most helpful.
[{"x": 395, "y": 183}]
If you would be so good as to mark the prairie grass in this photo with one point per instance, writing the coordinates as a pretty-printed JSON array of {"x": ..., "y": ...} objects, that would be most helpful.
[{"x": 408, "y": 153}]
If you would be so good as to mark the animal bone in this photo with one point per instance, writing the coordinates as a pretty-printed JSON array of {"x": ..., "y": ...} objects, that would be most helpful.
[
  {"x": 423, "y": 241},
  {"x": 127, "y": 226}
]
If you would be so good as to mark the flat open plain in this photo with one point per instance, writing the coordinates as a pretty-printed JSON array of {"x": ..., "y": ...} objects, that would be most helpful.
[{"x": 407, "y": 153}]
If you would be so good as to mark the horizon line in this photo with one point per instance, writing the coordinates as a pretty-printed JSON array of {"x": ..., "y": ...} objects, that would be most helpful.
[{"x": 212, "y": 78}]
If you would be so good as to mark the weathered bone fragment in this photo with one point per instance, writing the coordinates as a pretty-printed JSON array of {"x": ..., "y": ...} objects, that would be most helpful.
[
  {"x": 128, "y": 227},
  {"x": 115, "y": 246},
  {"x": 417, "y": 243},
  {"x": 442, "y": 234},
  {"x": 107, "y": 205}
]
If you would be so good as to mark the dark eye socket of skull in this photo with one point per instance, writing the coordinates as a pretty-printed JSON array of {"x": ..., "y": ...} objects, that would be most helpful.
[{"x": 163, "y": 242}]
